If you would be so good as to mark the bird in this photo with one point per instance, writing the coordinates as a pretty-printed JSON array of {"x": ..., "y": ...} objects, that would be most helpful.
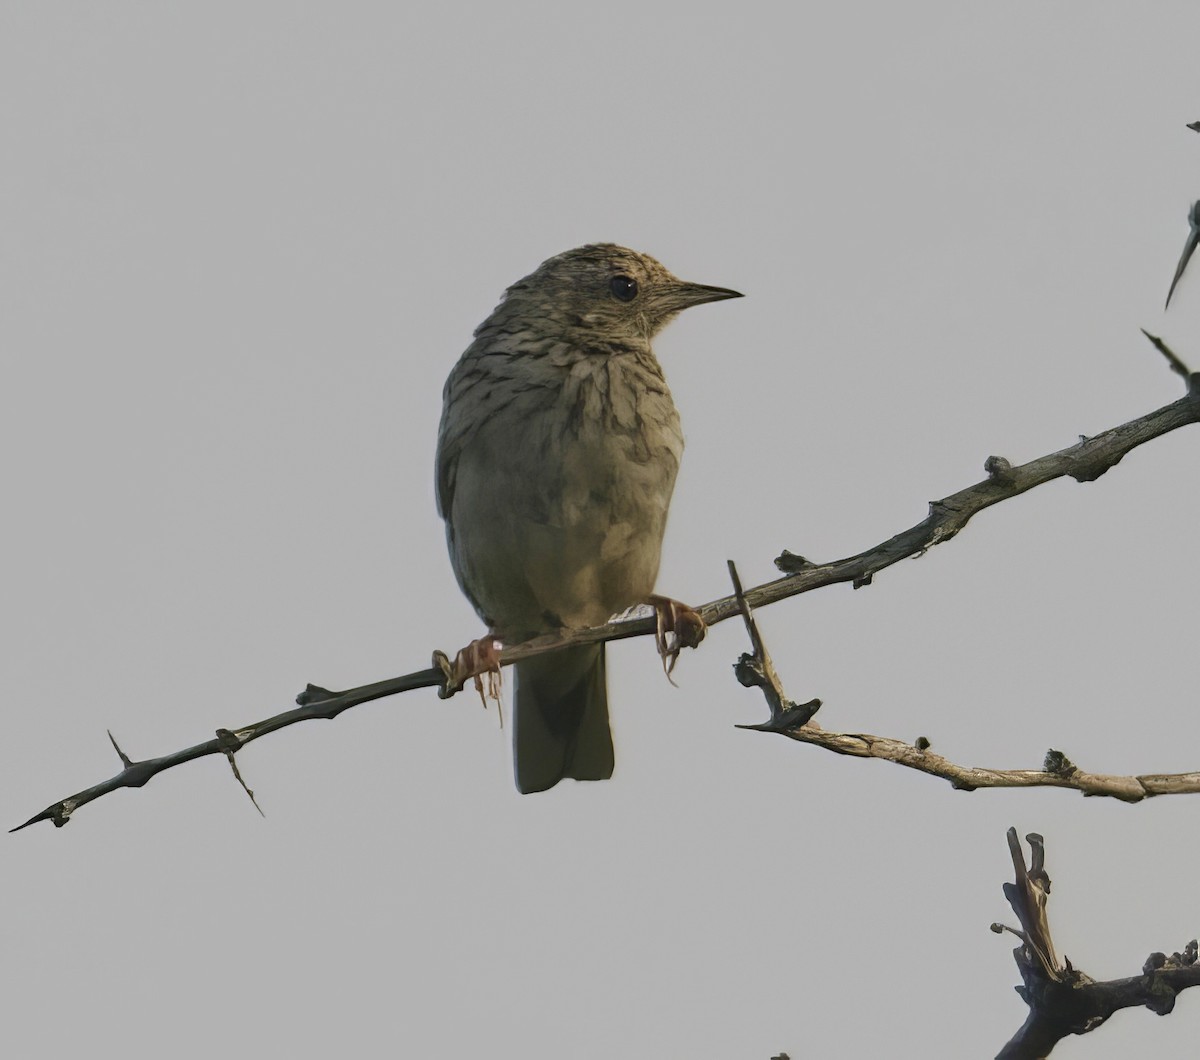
[{"x": 557, "y": 453}]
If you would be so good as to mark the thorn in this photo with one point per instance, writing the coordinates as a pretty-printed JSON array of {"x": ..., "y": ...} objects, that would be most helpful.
[
  {"x": 230, "y": 744},
  {"x": 1189, "y": 248},
  {"x": 1173, "y": 359},
  {"x": 121, "y": 754}
]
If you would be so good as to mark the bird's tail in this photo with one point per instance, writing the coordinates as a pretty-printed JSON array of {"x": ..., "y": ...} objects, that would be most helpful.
[{"x": 560, "y": 719}]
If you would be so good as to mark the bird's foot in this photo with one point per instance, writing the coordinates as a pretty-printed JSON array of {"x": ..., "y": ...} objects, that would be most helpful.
[
  {"x": 678, "y": 627},
  {"x": 478, "y": 661}
]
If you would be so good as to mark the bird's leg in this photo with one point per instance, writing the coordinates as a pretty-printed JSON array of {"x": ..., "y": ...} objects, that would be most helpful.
[
  {"x": 678, "y": 627},
  {"x": 480, "y": 661}
]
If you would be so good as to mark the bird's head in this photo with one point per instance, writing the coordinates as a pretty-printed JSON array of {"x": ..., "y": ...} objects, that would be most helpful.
[{"x": 607, "y": 292}]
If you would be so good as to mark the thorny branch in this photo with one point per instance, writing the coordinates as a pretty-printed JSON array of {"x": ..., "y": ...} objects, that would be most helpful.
[
  {"x": 1063, "y": 1000},
  {"x": 1085, "y": 461}
]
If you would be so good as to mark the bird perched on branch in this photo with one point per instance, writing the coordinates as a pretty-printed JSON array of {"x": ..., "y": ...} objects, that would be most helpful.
[{"x": 557, "y": 454}]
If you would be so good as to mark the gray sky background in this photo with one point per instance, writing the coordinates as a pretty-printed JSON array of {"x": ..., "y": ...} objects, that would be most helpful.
[{"x": 244, "y": 244}]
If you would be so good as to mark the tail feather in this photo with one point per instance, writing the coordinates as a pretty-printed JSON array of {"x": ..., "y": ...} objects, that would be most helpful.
[{"x": 560, "y": 709}]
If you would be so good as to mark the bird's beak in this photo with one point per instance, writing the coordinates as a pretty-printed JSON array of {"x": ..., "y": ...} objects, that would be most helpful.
[{"x": 682, "y": 295}]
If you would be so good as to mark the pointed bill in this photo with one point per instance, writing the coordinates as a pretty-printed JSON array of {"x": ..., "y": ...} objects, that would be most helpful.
[{"x": 683, "y": 295}]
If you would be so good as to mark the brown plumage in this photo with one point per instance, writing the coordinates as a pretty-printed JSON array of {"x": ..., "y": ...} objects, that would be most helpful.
[{"x": 557, "y": 455}]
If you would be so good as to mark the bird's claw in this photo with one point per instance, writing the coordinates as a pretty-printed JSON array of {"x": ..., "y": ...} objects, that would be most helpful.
[
  {"x": 478, "y": 661},
  {"x": 677, "y": 626}
]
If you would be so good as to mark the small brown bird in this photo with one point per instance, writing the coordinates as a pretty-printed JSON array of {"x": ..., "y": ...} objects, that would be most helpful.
[{"x": 556, "y": 459}]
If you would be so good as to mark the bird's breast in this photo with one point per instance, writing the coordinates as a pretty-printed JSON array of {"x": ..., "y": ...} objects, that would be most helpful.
[{"x": 565, "y": 487}]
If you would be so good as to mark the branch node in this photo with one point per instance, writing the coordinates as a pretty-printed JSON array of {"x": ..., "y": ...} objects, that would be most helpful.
[
  {"x": 1059, "y": 764},
  {"x": 228, "y": 741},
  {"x": 314, "y": 694},
  {"x": 1160, "y": 997},
  {"x": 790, "y": 563},
  {"x": 921, "y": 743},
  {"x": 999, "y": 470},
  {"x": 947, "y": 517},
  {"x": 1088, "y": 465}
]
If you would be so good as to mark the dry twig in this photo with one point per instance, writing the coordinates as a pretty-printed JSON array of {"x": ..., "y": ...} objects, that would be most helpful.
[{"x": 1063, "y": 1000}]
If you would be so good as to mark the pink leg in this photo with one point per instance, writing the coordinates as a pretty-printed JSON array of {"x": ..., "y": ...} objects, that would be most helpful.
[
  {"x": 679, "y": 627},
  {"x": 478, "y": 661}
]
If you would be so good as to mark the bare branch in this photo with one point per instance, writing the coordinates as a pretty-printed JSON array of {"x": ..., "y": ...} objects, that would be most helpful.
[
  {"x": 1058, "y": 771},
  {"x": 757, "y": 671},
  {"x": 1063, "y": 1000},
  {"x": 315, "y": 703},
  {"x": 1085, "y": 461}
]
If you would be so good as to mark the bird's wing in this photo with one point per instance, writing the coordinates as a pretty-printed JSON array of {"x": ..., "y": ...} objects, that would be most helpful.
[
  {"x": 474, "y": 387},
  {"x": 453, "y": 433}
]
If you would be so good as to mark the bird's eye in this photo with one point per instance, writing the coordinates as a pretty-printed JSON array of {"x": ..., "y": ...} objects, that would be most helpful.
[{"x": 624, "y": 288}]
